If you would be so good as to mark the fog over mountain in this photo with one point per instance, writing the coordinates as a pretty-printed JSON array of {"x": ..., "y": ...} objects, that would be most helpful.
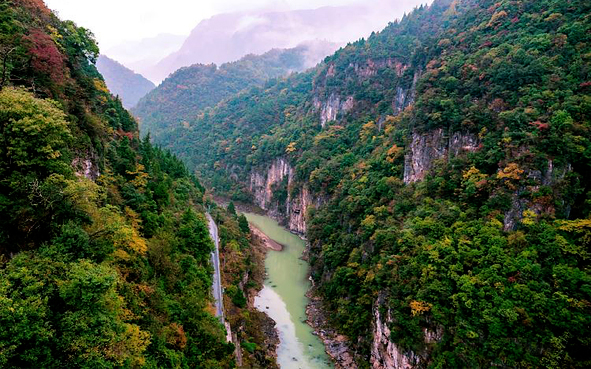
[
  {"x": 140, "y": 55},
  {"x": 123, "y": 82},
  {"x": 228, "y": 37}
]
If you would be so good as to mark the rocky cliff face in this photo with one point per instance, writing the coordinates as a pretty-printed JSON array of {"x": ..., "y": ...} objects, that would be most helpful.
[
  {"x": 278, "y": 176},
  {"x": 334, "y": 106},
  {"x": 426, "y": 148},
  {"x": 549, "y": 177},
  {"x": 86, "y": 165},
  {"x": 385, "y": 354}
]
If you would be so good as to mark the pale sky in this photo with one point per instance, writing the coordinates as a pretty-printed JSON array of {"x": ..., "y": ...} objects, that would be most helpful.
[{"x": 116, "y": 21}]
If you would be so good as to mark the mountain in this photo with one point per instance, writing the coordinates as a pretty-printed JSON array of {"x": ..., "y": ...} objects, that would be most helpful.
[
  {"x": 104, "y": 243},
  {"x": 182, "y": 96},
  {"x": 440, "y": 170},
  {"x": 228, "y": 37},
  {"x": 142, "y": 55},
  {"x": 123, "y": 82}
]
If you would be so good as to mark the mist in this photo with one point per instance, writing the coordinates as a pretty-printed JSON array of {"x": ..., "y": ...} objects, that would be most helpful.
[{"x": 229, "y": 36}]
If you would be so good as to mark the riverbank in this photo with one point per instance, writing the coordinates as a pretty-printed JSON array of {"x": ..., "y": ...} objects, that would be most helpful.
[
  {"x": 265, "y": 240},
  {"x": 284, "y": 299},
  {"x": 337, "y": 345}
]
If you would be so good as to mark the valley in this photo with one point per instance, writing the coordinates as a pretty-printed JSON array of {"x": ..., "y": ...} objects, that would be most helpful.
[
  {"x": 418, "y": 197},
  {"x": 283, "y": 298}
]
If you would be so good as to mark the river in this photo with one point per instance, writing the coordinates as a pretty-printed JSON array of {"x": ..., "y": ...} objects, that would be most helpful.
[{"x": 283, "y": 298}]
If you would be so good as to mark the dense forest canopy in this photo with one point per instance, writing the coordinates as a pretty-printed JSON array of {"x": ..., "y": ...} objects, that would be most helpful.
[
  {"x": 453, "y": 180},
  {"x": 187, "y": 92},
  {"x": 104, "y": 248}
]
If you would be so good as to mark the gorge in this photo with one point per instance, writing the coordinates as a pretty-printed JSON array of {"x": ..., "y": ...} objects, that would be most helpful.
[{"x": 419, "y": 198}]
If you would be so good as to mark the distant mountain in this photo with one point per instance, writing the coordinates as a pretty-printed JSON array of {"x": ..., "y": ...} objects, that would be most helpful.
[
  {"x": 228, "y": 37},
  {"x": 142, "y": 55},
  {"x": 130, "y": 86},
  {"x": 183, "y": 95}
]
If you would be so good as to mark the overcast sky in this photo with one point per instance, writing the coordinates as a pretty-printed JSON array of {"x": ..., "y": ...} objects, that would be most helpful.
[{"x": 116, "y": 21}]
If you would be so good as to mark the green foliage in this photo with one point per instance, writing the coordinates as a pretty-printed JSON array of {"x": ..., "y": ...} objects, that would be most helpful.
[
  {"x": 186, "y": 92},
  {"x": 104, "y": 251},
  {"x": 483, "y": 262},
  {"x": 243, "y": 224}
]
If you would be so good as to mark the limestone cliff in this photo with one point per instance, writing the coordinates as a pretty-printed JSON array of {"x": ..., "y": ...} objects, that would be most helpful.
[
  {"x": 333, "y": 107},
  {"x": 385, "y": 354},
  {"x": 426, "y": 148},
  {"x": 267, "y": 186},
  {"x": 550, "y": 177},
  {"x": 86, "y": 165}
]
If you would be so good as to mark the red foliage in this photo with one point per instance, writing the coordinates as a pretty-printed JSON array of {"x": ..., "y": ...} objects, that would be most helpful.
[
  {"x": 486, "y": 44},
  {"x": 121, "y": 133},
  {"x": 585, "y": 84},
  {"x": 45, "y": 56},
  {"x": 539, "y": 125}
]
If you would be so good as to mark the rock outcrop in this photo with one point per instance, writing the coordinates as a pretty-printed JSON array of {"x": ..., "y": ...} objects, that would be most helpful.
[
  {"x": 550, "y": 177},
  {"x": 426, "y": 148},
  {"x": 86, "y": 166},
  {"x": 385, "y": 354},
  {"x": 333, "y": 107},
  {"x": 291, "y": 210},
  {"x": 337, "y": 346}
]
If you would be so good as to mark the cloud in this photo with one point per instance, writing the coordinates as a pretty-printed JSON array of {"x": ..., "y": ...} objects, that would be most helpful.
[{"x": 114, "y": 21}]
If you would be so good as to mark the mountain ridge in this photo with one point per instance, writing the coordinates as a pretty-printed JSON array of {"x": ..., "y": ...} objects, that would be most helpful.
[{"x": 123, "y": 82}]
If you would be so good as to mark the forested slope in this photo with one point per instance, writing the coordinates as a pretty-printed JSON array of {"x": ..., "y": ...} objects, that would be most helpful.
[
  {"x": 443, "y": 165},
  {"x": 183, "y": 96},
  {"x": 123, "y": 82},
  {"x": 104, "y": 248}
]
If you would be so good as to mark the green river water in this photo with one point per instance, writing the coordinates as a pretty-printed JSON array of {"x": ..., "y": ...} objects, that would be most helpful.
[{"x": 283, "y": 298}]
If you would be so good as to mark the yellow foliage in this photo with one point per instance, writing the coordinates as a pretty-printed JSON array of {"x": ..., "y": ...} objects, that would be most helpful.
[
  {"x": 581, "y": 227},
  {"x": 419, "y": 307},
  {"x": 496, "y": 18},
  {"x": 121, "y": 255},
  {"x": 131, "y": 346},
  {"x": 101, "y": 86},
  {"x": 394, "y": 153},
  {"x": 367, "y": 130},
  {"x": 529, "y": 217},
  {"x": 473, "y": 175},
  {"x": 141, "y": 178},
  {"x": 512, "y": 172},
  {"x": 108, "y": 222},
  {"x": 291, "y": 148},
  {"x": 369, "y": 222}
]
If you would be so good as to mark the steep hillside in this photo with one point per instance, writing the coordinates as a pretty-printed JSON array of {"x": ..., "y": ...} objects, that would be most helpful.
[
  {"x": 104, "y": 247},
  {"x": 183, "y": 95},
  {"x": 440, "y": 170},
  {"x": 142, "y": 55},
  {"x": 123, "y": 82}
]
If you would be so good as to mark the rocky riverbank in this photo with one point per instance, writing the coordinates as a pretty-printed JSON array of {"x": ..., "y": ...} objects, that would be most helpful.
[
  {"x": 265, "y": 240},
  {"x": 337, "y": 345}
]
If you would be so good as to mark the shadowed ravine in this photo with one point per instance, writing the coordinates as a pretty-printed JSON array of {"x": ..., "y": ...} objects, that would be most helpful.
[{"x": 284, "y": 299}]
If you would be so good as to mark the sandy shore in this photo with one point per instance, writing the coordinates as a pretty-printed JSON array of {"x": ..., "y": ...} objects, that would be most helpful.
[{"x": 267, "y": 242}]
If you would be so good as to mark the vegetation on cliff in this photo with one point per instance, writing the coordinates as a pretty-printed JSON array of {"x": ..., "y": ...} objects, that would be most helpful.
[
  {"x": 480, "y": 251},
  {"x": 184, "y": 95},
  {"x": 104, "y": 251}
]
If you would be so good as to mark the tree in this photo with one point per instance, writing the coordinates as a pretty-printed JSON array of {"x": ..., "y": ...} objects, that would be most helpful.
[
  {"x": 232, "y": 209},
  {"x": 243, "y": 224}
]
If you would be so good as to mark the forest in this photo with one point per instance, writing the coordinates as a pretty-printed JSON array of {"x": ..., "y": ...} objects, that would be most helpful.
[
  {"x": 453, "y": 180},
  {"x": 104, "y": 245},
  {"x": 443, "y": 166}
]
